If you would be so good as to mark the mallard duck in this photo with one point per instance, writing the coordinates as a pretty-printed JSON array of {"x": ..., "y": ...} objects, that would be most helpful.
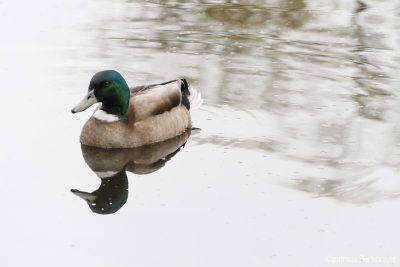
[{"x": 138, "y": 116}]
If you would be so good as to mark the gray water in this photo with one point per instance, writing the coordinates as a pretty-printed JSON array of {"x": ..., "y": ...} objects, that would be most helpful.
[{"x": 296, "y": 162}]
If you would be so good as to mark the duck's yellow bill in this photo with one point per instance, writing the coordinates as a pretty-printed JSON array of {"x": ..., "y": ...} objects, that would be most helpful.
[{"x": 86, "y": 102}]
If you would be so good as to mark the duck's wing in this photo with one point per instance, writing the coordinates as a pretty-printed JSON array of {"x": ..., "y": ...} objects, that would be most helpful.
[
  {"x": 141, "y": 88},
  {"x": 151, "y": 100}
]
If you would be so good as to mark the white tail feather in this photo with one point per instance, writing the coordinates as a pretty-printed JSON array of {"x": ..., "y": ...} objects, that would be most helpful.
[{"x": 194, "y": 99}]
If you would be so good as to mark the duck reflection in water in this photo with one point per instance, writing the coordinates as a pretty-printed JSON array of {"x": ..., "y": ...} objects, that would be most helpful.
[{"x": 111, "y": 165}]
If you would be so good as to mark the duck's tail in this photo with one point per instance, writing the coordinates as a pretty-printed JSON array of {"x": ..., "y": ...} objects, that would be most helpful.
[
  {"x": 191, "y": 97},
  {"x": 195, "y": 99}
]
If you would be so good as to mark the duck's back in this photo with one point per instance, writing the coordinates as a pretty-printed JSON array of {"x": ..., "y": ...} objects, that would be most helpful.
[{"x": 156, "y": 99}]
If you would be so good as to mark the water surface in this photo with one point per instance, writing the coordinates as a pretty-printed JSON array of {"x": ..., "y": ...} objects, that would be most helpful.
[{"x": 296, "y": 162}]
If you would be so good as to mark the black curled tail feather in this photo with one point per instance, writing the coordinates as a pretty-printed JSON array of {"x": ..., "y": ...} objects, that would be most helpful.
[{"x": 185, "y": 93}]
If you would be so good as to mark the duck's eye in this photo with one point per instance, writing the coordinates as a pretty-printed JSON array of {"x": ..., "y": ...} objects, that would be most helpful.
[{"x": 106, "y": 83}]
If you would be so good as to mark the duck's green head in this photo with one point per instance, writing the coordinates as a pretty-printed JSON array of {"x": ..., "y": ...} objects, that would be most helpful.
[{"x": 109, "y": 88}]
